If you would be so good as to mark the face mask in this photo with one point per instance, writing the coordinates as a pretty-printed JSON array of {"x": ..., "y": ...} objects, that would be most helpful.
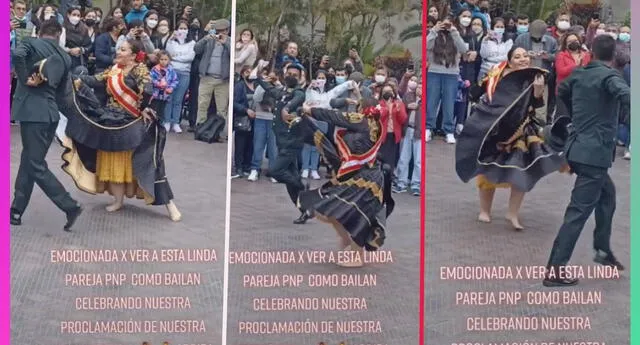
[
  {"x": 320, "y": 83},
  {"x": 380, "y": 79},
  {"x": 290, "y": 81},
  {"x": 614, "y": 35},
  {"x": 48, "y": 16},
  {"x": 340, "y": 80},
  {"x": 387, "y": 96},
  {"x": 152, "y": 23},
  {"x": 74, "y": 20},
  {"x": 564, "y": 25},
  {"x": 499, "y": 31},
  {"x": 181, "y": 33},
  {"x": 574, "y": 46},
  {"x": 163, "y": 30},
  {"x": 523, "y": 29},
  {"x": 465, "y": 21},
  {"x": 477, "y": 30},
  {"x": 412, "y": 85},
  {"x": 600, "y": 32},
  {"x": 624, "y": 37},
  {"x": 90, "y": 22},
  {"x": 98, "y": 19}
]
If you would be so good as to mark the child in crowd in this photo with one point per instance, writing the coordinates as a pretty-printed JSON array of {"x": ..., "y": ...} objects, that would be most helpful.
[
  {"x": 460, "y": 107},
  {"x": 165, "y": 80}
]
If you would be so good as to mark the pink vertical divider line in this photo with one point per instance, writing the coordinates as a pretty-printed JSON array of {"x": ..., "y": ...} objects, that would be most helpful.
[{"x": 5, "y": 275}]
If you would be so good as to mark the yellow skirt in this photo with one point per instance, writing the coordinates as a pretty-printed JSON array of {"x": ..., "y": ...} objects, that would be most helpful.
[
  {"x": 117, "y": 168},
  {"x": 483, "y": 183}
]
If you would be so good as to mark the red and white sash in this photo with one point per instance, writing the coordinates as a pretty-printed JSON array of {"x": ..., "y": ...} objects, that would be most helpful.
[
  {"x": 352, "y": 162},
  {"x": 127, "y": 98}
]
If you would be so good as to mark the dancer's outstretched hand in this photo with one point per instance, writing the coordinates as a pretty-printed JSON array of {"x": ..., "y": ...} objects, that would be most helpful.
[{"x": 148, "y": 115}]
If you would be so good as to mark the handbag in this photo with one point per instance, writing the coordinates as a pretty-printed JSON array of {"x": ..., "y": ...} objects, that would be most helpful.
[{"x": 242, "y": 124}]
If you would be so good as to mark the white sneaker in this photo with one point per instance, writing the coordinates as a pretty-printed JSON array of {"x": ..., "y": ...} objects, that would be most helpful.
[
  {"x": 274, "y": 180},
  {"x": 428, "y": 135},
  {"x": 459, "y": 128},
  {"x": 450, "y": 139},
  {"x": 305, "y": 173},
  {"x": 253, "y": 177},
  {"x": 167, "y": 127},
  {"x": 176, "y": 128},
  {"x": 315, "y": 175},
  {"x": 627, "y": 155}
]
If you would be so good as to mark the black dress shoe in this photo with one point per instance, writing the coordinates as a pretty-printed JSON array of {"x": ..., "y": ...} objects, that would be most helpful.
[
  {"x": 304, "y": 217},
  {"x": 15, "y": 218},
  {"x": 72, "y": 216},
  {"x": 608, "y": 259},
  {"x": 559, "y": 282}
]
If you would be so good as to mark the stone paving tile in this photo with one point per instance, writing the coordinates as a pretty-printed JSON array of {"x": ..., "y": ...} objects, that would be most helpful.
[
  {"x": 40, "y": 300},
  {"x": 261, "y": 220},
  {"x": 454, "y": 238}
]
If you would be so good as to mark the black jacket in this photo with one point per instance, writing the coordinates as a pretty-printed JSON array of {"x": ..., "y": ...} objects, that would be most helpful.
[
  {"x": 39, "y": 104},
  {"x": 595, "y": 95}
]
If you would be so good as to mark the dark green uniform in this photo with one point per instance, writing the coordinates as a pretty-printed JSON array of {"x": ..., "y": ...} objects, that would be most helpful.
[
  {"x": 593, "y": 94},
  {"x": 37, "y": 111},
  {"x": 289, "y": 140}
]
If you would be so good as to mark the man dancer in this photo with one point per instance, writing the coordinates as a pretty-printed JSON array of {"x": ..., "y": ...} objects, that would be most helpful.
[
  {"x": 288, "y": 139},
  {"x": 590, "y": 93},
  {"x": 36, "y": 109}
]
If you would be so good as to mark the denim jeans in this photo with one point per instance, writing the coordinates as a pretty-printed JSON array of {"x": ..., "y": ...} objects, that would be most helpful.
[
  {"x": 624, "y": 134},
  {"x": 410, "y": 148},
  {"x": 310, "y": 157},
  {"x": 263, "y": 137},
  {"x": 442, "y": 88},
  {"x": 174, "y": 108}
]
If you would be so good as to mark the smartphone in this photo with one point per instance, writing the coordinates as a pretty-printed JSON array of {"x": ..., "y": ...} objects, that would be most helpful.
[{"x": 23, "y": 25}]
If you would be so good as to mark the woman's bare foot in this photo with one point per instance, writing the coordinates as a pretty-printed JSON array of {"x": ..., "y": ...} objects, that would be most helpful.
[
  {"x": 114, "y": 207},
  {"x": 484, "y": 217},
  {"x": 174, "y": 213},
  {"x": 355, "y": 258},
  {"x": 515, "y": 222}
]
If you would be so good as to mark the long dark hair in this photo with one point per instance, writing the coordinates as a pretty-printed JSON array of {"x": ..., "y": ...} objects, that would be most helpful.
[
  {"x": 444, "y": 50},
  {"x": 81, "y": 28}
]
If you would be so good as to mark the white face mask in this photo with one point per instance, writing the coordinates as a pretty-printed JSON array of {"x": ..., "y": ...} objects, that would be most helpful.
[
  {"x": 412, "y": 85},
  {"x": 48, "y": 16},
  {"x": 74, "y": 20},
  {"x": 564, "y": 25},
  {"x": 600, "y": 32},
  {"x": 181, "y": 33},
  {"x": 320, "y": 83},
  {"x": 465, "y": 21},
  {"x": 380, "y": 79},
  {"x": 152, "y": 23},
  {"x": 98, "y": 19}
]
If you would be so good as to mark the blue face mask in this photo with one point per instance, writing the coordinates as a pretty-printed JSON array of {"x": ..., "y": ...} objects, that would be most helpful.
[
  {"x": 340, "y": 80},
  {"x": 212, "y": 32},
  {"x": 624, "y": 37},
  {"x": 523, "y": 29},
  {"x": 499, "y": 31}
]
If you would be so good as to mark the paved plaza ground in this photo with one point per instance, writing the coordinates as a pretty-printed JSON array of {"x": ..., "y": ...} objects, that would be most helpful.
[
  {"x": 454, "y": 238},
  {"x": 40, "y": 299},
  {"x": 261, "y": 220}
]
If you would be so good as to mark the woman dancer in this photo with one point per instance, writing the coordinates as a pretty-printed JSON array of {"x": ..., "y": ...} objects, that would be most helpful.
[
  {"x": 115, "y": 145},
  {"x": 500, "y": 143},
  {"x": 354, "y": 201}
]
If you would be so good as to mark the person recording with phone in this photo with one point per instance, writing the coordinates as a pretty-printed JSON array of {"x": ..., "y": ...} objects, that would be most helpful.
[
  {"x": 135, "y": 31},
  {"x": 215, "y": 52}
]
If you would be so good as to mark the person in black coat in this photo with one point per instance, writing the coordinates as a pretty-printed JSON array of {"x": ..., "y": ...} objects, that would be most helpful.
[
  {"x": 35, "y": 107},
  {"x": 590, "y": 93}
]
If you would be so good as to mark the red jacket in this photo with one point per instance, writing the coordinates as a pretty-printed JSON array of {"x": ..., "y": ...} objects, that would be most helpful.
[
  {"x": 399, "y": 117},
  {"x": 565, "y": 64}
]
